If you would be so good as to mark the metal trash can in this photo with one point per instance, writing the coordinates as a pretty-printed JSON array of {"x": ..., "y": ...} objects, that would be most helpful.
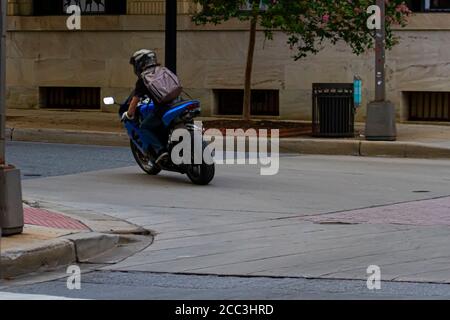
[{"x": 333, "y": 110}]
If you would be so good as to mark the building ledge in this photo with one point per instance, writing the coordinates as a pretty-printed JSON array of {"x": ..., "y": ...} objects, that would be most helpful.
[
  {"x": 418, "y": 22},
  {"x": 114, "y": 23},
  {"x": 429, "y": 22}
]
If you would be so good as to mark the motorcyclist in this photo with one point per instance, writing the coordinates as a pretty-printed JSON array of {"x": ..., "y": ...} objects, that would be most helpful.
[{"x": 142, "y": 60}]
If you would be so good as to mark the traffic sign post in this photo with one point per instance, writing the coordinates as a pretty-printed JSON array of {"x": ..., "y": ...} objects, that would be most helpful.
[
  {"x": 381, "y": 115},
  {"x": 11, "y": 209},
  {"x": 171, "y": 35}
]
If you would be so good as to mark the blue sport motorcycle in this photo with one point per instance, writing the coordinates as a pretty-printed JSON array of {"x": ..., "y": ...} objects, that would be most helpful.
[{"x": 180, "y": 115}]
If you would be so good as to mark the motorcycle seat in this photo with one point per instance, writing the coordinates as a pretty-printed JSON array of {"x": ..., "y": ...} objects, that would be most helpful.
[
  {"x": 178, "y": 103},
  {"x": 178, "y": 109}
]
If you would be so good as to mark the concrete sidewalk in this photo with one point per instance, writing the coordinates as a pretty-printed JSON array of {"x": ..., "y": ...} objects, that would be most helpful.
[
  {"x": 52, "y": 239},
  {"x": 96, "y": 128}
]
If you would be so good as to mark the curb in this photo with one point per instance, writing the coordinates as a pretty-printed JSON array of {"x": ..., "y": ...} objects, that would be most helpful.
[
  {"x": 108, "y": 235},
  {"x": 403, "y": 150},
  {"x": 51, "y": 254},
  {"x": 55, "y": 253},
  {"x": 91, "y": 245},
  {"x": 320, "y": 146},
  {"x": 363, "y": 148},
  {"x": 344, "y": 147},
  {"x": 48, "y": 255}
]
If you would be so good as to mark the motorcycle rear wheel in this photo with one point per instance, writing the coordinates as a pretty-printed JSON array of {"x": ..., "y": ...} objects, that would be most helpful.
[
  {"x": 144, "y": 162},
  {"x": 201, "y": 174}
]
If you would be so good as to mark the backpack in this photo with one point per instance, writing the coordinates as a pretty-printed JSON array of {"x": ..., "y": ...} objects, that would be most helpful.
[{"x": 162, "y": 83}]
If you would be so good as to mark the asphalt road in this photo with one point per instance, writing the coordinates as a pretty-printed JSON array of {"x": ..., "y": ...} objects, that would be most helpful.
[
  {"x": 105, "y": 285},
  {"x": 37, "y": 160},
  {"x": 247, "y": 224}
]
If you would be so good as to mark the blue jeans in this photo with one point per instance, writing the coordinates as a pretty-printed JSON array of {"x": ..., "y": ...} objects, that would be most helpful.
[{"x": 149, "y": 138}]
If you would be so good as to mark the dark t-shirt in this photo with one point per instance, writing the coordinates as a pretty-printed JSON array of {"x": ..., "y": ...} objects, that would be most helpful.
[{"x": 141, "y": 91}]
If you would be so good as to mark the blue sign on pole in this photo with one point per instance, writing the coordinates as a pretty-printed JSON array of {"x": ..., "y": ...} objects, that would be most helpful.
[{"x": 357, "y": 88}]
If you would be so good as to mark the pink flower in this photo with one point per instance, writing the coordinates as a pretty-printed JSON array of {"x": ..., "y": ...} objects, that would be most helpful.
[{"x": 403, "y": 8}]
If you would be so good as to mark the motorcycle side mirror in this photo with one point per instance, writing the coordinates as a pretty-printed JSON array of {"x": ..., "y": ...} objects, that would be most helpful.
[{"x": 108, "y": 101}]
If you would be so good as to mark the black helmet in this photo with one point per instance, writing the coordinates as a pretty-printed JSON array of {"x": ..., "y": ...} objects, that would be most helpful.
[{"x": 143, "y": 59}]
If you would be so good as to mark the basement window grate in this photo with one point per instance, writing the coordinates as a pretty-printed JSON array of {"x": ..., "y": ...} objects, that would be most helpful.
[
  {"x": 70, "y": 97},
  {"x": 428, "y": 6},
  {"x": 88, "y": 7},
  {"x": 264, "y": 102},
  {"x": 429, "y": 106}
]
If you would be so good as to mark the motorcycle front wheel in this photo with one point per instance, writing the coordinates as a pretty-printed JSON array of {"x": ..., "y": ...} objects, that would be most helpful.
[{"x": 143, "y": 161}]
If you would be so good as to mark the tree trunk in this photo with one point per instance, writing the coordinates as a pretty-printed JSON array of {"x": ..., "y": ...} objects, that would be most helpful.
[{"x": 249, "y": 68}]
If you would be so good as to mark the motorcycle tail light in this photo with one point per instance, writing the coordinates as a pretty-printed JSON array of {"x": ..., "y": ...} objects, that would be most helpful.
[{"x": 193, "y": 107}]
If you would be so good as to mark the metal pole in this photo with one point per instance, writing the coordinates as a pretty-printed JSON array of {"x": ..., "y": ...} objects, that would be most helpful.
[
  {"x": 171, "y": 35},
  {"x": 381, "y": 124},
  {"x": 380, "y": 56},
  {"x": 11, "y": 208},
  {"x": 3, "y": 7}
]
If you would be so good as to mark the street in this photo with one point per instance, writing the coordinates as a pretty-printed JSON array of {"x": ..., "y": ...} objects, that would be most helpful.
[
  {"x": 281, "y": 237},
  {"x": 337, "y": 187},
  {"x": 153, "y": 286},
  {"x": 44, "y": 160}
]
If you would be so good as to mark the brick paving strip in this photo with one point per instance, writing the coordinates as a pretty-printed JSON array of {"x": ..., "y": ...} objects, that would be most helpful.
[
  {"x": 434, "y": 212},
  {"x": 49, "y": 219}
]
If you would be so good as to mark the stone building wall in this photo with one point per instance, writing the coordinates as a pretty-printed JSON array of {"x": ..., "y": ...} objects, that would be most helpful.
[
  {"x": 20, "y": 7},
  {"x": 152, "y": 7},
  {"x": 41, "y": 52}
]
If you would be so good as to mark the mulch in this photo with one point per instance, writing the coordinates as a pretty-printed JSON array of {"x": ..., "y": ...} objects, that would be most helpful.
[{"x": 286, "y": 128}]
